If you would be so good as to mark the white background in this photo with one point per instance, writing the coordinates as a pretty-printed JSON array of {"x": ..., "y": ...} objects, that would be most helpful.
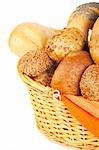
[{"x": 17, "y": 123}]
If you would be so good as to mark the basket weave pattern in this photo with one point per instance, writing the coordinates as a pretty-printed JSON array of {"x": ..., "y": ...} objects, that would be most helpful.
[{"x": 55, "y": 120}]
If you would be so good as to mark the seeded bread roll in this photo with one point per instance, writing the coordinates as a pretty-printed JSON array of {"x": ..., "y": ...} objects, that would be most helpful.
[
  {"x": 67, "y": 76},
  {"x": 74, "y": 38},
  {"x": 89, "y": 83},
  {"x": 33, "y": 63}
]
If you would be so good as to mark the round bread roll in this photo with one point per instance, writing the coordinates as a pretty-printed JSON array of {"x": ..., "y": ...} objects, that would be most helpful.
[
  {"x": 70, "y": 39},
  {"x": 94, "y": 42},
  {"x": 89, "y": 83},
  {"x": 67, "y": 76},
  {"x": 33, "y": 63},
  {"x": 74, "y": 37},
  {"x": 29, "y": 36}
]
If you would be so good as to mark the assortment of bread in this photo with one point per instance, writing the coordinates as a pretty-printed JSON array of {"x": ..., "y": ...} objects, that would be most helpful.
[{"x": 58, "y": 58}]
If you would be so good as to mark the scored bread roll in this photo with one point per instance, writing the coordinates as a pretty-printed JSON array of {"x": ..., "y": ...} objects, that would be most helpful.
[
  {"x": 67, "y": 76},
  {"x": 84, "y": 17},
  {"x": 29, "y": 36},
  {"x": 33, "y": 63}
]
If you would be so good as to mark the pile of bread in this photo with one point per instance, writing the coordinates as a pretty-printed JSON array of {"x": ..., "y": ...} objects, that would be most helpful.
[{"x": 64, "y": 59}]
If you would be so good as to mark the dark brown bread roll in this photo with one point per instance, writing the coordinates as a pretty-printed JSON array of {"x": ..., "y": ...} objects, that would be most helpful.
[{"x": 67, "y": 76}]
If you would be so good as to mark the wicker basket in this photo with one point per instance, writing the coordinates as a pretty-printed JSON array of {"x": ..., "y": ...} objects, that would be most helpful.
[{"x": 55, "y": 121}]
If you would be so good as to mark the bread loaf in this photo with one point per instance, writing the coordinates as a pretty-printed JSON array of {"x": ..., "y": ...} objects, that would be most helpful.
[{"x": 29, "y": 36}]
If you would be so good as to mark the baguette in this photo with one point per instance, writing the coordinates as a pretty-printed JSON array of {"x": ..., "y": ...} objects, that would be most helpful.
[{"x": 29, "y": 36}]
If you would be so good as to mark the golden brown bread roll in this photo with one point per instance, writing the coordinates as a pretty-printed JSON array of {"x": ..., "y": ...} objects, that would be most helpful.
[
  {"x": 89, "y": 83},
  {"x": 67, "y": 76},
  {"x": 29, "y": 36},
  {"x": 33, "y": 63},
  {"x": 94, "y": 42},
  {"x": 74, "y": 38},
  {"x": 70, "y": 39}
]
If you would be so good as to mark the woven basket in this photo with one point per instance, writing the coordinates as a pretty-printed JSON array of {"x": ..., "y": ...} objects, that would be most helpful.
[{"x": 55, "y": 121}]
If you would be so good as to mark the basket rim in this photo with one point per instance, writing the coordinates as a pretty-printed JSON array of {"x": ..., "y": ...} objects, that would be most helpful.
[{"x": 30, "y": 81}]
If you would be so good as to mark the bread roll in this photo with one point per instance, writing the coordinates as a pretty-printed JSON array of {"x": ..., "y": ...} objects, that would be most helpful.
[
  {"x": 67, "y": 76},
  {"x": 70, "y": 39},
  {"x": 84, "y": 17},
  {"x": 33, "y": 63},
  {"x": 94, "y": 42},
  {"x": 29, "y": 36},
  {"x": 89, "y": 83}
]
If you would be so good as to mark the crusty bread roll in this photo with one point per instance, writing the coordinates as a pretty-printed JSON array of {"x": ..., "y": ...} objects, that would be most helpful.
[
  {"x": 74, "y": 37},
  {"x": 67, "y": 76},
  {"x": 29, "y": 36},
  {"x": 33, "y": 63},
  {"x": 89, "y": 83},
  {"x": 84, "y": 17},
  {"x": 69, "y": 39},
  {"x": 94, "y": 42}
]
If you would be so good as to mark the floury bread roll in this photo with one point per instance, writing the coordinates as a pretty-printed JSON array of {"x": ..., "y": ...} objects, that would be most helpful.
[
  {"x": 94, "y": 42},
  {"x": 67, "y": 76},
  {"x": 74, "y": 37},
  {"x": 29, "y": 36},
  {"x": 33, "y": 63}
]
